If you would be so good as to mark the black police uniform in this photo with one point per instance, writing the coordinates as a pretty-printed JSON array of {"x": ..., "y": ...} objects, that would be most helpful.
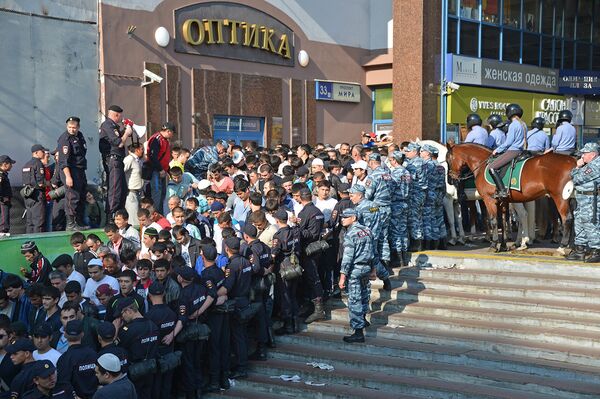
[
  {"x": 218, "y": 322},
  {"x": 286, "y": 241},
  {"x": 166, "y": 319},
  {"x": 72, "y": 150},
  {"x": 33, "y": 175},
  {"x": 310, "y": 224},
  {"x": 140, "y": 339},
  {"x": 60, "y": 391},
  {"x": 119, "y": 352},
  {"x": 260, "y": 257},
  {"x": 5, "y": 202},
  {"x": 8, "y": 371},
  {"x": 238, "y": 278},
  {"x": 191, "y": 298},
  {"x": 76, "y": 367},
  {"x": 23, "y": 382},
  {"x": 59, "y": 220},
  {"x": 111, "y": 133}
]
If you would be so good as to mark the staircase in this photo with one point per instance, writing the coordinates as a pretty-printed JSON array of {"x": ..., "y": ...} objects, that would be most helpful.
[{"x": 465, "y": 327}]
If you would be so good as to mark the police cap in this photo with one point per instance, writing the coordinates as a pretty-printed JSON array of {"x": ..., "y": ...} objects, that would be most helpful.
[
  {"x": 73, "y": 119},
  {"x": 428, "y": 148},
  {"x": 106, "y": 330},
  {"x": 38, "y": 147},
  {"x": 281, "y": 214},
  {"x": 357, "y": 188},
  {"x": 125, "y": 303},
  {"x": 186, "y": 273},
  {"x": 6, "y": 159},
  {"x": 21, "y": 344},
  {"x": 156, "y": 288},
  {"x": 42, "y": 369},
  {"x": 209, "y": 252},
  {"x": 250, "y": 230},
  {"x": 232, "y": 243},
  {"x": 413, "y": 147},
  {"x": 343, "y": 188},
  {"x": 115, "y": 108},
  {"x": 74, "y": 327},
  {"x": 375, "y": 157},
  {"x": 349, "y": 212}
]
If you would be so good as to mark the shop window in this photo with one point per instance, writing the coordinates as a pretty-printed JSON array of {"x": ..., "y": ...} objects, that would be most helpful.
[
  {"x": 491, "y": 11},
  {"x": 547, "y": 56},
  {"x": 596, "y": 59},
  {"x": 469, "y": 38},
  {"x": 568, "y": 55},
  {"x": 384, "y": 109},
  {"x": 531, "y": 15},
  {"x": 583, "y": 55},
  {"x": 569, "y": 22},
  {"x": 490, "y": 42},
  {"x": 452, "y": 35},
  {"x": 584, "y": 20},
  {"x": 558, "y": 53},
  {"x": 511, "y": 45},
  {"x": 512, "y": 13},
  {"x": 531, "y": 49},
  {"x": 547, "y": 16},
  {"x": 469, "y": 9},
  {"x": 452, "y": 7}
]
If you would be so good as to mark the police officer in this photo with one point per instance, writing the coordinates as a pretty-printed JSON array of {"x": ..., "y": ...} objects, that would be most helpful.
[
  {"x": 440, "y": 233},
  {"x": 510, "y": 149},
  {"x": 339, "y": 231},
  {"x": 6, "y": 164},
  {"x": 169, "y": 326},
  {"x": 430, "y": 196},
  {"x": 139, "y": 337},
  {"x": 72, "y": 164},
  {"x": 586, "y": 178},
  {"x": 537, "y": 139},
  {"x": 194, "y": 301},
  {"x": 565, "y": 137},
  {"x": 217, "y": 320},
  {"x": 497, "y": 135},
  {"x": 45, "y": 381},
  {"x": 21, "y": 355},
  {"x": 477, "y": 134},
  {"x": 34, "y": 179},
  {"x": 238, "y": 278},
  {"x": 400, "y": 186},
  {"x": 76, "y": 366},
  {"x": 356, "y": 267},
  {"x": 107, "y": 335},
  {"x": 418, "y": 175},
  {"x": 113, "y": 141}
]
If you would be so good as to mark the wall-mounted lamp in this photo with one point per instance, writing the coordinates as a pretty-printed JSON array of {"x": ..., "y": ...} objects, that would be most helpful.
[
  {"x": 303, "y": 58},
  {"x": 162, "y": 37}
]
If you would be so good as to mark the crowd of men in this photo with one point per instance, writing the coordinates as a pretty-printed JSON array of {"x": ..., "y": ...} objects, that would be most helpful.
[{"x": 206, "y": 252}]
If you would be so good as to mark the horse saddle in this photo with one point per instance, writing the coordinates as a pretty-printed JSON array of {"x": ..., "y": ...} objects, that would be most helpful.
[{"x": 511, "y": 172}]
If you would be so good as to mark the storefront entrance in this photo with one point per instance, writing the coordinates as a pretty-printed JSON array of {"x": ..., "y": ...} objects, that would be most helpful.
[{"x": 241, "y": 129}]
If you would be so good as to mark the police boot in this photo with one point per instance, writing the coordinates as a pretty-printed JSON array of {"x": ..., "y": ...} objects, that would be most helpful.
[
  {"x": 387, "y": 285},
  {"x": 287, "y": 328},
  {"x": 224, "y": 382},
  {"x": 501, "y": 191},
  {"x": 404, "y": 258},
  {"x": 318, "y": 314},
  {"x": 442, "y": 245},
  {"x": 594, "y": 256},
  {"x": 395, "y": 259},
  {"x": 578, "y": 253},
  {"x": 416, "y": 246},
  {"x": 358, "y": 336},
  {"x": 259, "y": 354}
]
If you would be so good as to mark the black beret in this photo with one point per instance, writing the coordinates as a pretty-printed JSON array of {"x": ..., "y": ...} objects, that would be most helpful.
[
  {"x": 73, "y": 119},
  {"x": 106, "y": 330},
  {"x": 61, "y": 260},
  {"x": 115, "y": 108}
]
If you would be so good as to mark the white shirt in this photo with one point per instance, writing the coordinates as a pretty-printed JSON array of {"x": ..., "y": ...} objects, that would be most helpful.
[
  {"x": 133, "y": 172},
  {"x": 92, "y": 285},
  {"x": 325, "y": 206},
  {"x": 62, "y": 300},
  {"x": 76, "y": 276},
  {"x": 185, "y": 253},
  {"x": 51, "y": 355}
]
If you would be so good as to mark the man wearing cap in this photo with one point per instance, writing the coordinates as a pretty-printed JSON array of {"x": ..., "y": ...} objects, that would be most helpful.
[
  {"x": 159, "y": 157},
  {"x": 107, "y": 335},
  {"x": 21, "y": 354},
  {"x": 126, "y": 280},
  {"x": 114, "y": 381},
  {"x": 6, "y": 164},
  {"x": 42, "y": 334},
  {"x": 71, "y": 165},
  {"x": 586, "y": 178},
  {"x": 38, "y": 264},
  {"x": 415, "y": 166},
  {"x": 338, "y": 230},
  {"x": 400, "y": 186},
  {"x": 76, "y": 365},
  {"x": 357, "y": 262},
  {"x": 169, "y": 326},
  {"x": 45, "y": 382},
  {"x": 34, "y": 177},
  {"x": 113, "y": 140}
]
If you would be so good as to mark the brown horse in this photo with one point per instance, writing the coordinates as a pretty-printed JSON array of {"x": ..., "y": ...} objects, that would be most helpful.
[{"x": 542, "y": 174}]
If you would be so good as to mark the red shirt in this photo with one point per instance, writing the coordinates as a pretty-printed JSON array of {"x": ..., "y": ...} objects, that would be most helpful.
[{"x": 159, "y": 152}]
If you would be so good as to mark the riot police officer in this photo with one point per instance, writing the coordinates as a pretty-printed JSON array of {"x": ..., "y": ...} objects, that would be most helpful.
[
  {"x": 418, "y": 176},
  {"x": 71, "y": 165},
  {"x": 497, "y": 135},
  {"x": 477, "y": 134},
  {"x": 430, "y": 196},
  {"x": 565, "y": 137},
  {"x": 112, "y": 143},
  {"x": 399, "y": 220},
  {"x": 537, "y": 139},
  {"x": 34, "y": 183}
]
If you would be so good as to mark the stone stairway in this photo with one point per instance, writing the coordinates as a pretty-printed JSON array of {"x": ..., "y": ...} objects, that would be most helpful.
[{"x": 488, "y": 327}]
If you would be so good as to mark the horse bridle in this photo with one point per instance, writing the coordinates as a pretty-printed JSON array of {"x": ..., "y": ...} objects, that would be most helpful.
[{"x": 468, "y": 175}]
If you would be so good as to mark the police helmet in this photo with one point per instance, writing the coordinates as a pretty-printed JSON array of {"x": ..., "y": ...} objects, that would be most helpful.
[
  {"x": 473, "y": 120},
  {"x": 538, "y": 123},
  {"x": 514, "y": 109},
  {"x": 564, "y": 115},
  {"x": 504, "y": 126},
  {"x": 494, "y": 120}
]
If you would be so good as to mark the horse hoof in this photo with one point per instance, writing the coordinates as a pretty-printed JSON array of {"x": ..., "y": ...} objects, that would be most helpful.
[
  {"x": 452, "y": 242},
  {"x": 561, "y": 251}
]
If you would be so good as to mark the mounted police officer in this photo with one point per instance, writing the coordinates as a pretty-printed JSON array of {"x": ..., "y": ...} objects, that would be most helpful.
[
  {"x": 400, "y": 196},
  {"x": 586, "y": 178},
  {"x": 357, "y": 263},
  {"x": 537, "y": 139},
  {"x": 477, "y": 134},
  {"x": 34, "y": 183},
  {"x": 510, "y": 149},
  {"x": 418, "y": 175},
  {"x": 565, "y": 137},
  {"x": 113, "y": 143},
  {"x": 497, "y": 135},
  {"x": 71, "y": 165}
]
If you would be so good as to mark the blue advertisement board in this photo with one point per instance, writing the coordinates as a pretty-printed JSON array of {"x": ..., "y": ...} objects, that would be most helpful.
[{"x": 579, "y": 82}]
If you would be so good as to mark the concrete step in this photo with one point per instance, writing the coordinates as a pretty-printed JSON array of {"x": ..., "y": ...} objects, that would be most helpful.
[
  {"x": 401, "y": 367},
  {"x": 447, "y": 354},
  {"x": 392, "y": 384},
  {"x": 498, "y": 344},
  {"x": 242, "y": 392}
]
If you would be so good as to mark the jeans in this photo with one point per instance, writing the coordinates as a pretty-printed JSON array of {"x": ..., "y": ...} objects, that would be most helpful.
[{"x": 157, "y": 191}]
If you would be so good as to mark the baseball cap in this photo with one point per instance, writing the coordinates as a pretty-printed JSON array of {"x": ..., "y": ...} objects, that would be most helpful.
[
  {"x": 6, "y": 159},
  {"x": 156, "y": 288},
  {"x": 413, "y": 146},
  {"x": 428, "y": 148},
  {"x": 398, "y": 155},
  {"x": 216, "y": 206},
  {"x": 346, "y": 213},
  {"x": 209, "y": 252},
  {"x": 106, "y": 330},
  {"x": 42, "y": 369},
  {"x": 186, "y": 273},
  {"x": 38, "y": 147},
  {"x": 61, "y": 260},
  {"x": 357, "y": 188},
  {"x": 74, "y": 327},
  {"x": 42, "y": 330},
  {"x": 110, "y": 362},
  {"x": 360, "y": 165},
  {"x": 122, "y": 304},
  {"x": 105, "y": 289}
]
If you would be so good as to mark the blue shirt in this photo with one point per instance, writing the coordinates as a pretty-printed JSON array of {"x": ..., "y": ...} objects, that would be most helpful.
[
  {"x": 537, "y": 140},
  {"x": 515, "y": 138},
  {"x": 498, "y": 136},
  {"x": 565, "y": 137},
  {"x": 240, "y": 211},
  {"x": 477, "y": 135}
]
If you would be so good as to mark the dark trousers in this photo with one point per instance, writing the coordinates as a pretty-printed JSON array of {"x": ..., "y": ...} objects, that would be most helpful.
[
  {"x": 116, "y": 185},
  {"x": 36, "y": 212},
  {"x": 504, "y": 159},
  {"x": 218, "y": 346},
  {"x": 4, "y": 218},
  {"x": 325, "y": 269},
  {"x": 239, "y": 339},
  {"x": 311, "y": 278},
  {"x": 163, "y": 382},
  {"x": 286, "y": 295},
  {"x": 143, "y": 386},
  {"x": 74, "y": 196},
  {"x": 190, "y": 372},
  {"x": 59, "y": 221}
]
